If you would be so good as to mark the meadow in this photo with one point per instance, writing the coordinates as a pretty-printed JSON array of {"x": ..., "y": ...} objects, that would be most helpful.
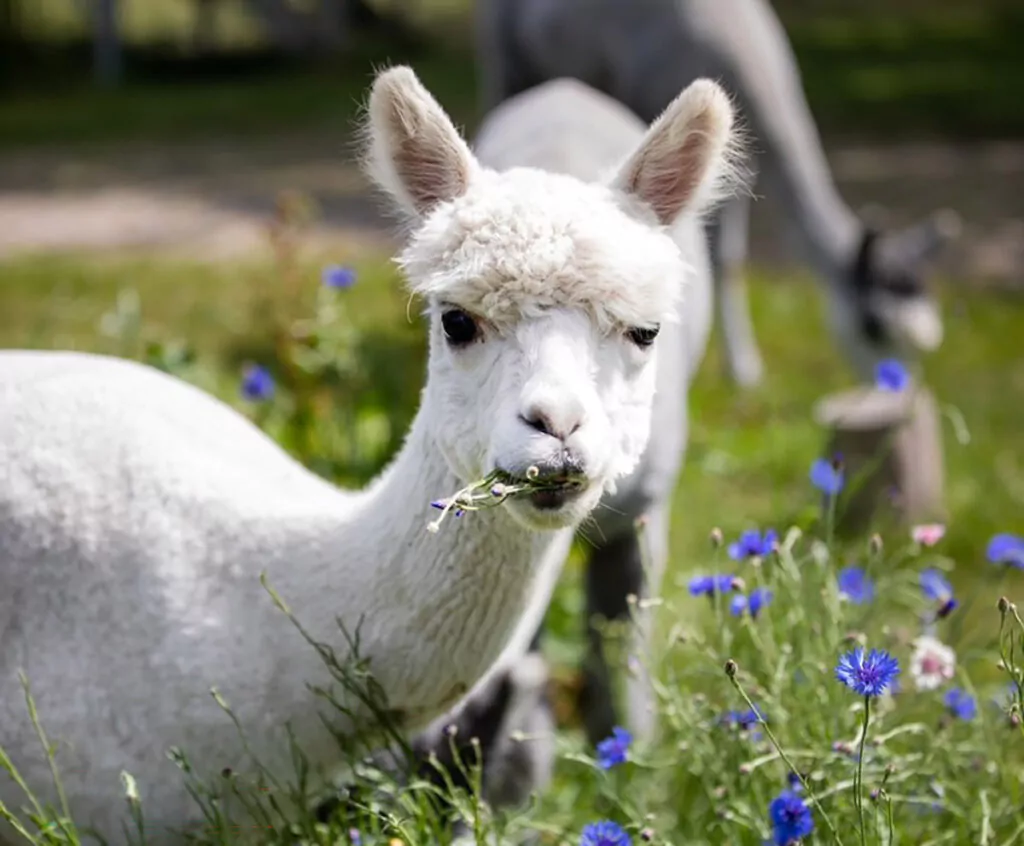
[{"x": 347, "y": 365}]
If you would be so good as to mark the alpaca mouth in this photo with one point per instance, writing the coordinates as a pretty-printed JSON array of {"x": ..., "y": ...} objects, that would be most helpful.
[
  {"x": 552, "y": 492},
  {"x": 552, "y": 499}
]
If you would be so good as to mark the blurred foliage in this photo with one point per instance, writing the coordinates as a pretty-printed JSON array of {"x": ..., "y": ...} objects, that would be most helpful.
[{"x": 896, "y": 68}]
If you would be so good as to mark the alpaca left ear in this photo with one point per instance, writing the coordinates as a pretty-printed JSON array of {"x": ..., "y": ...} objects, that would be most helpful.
[
  {"x": 415, "y": 153},
  {"x": 686, "y": 158}
]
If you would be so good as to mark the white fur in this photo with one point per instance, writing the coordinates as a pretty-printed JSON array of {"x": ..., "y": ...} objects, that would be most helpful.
[
  {"x": 136, "y": 512},
  {"x": 565, "y": 126}
]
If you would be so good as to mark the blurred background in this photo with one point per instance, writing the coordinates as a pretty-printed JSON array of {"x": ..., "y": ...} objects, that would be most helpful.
[{"x": 175, "y": 173}]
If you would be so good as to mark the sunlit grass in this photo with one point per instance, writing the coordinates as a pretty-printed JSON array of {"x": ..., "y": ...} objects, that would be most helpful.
[{"x": 746, "y": 465}]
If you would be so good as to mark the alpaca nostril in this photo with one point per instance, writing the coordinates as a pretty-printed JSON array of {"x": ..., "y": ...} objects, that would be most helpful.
[
  {"x": 539, "y": 422},
  {"x": 546, "y": 425}
]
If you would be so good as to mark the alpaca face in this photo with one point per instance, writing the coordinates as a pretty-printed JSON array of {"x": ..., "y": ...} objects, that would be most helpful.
[
  {"x": 545, "y": 293},
  {"x": 556, "y": 392},
  {"x": 884, "y": 306}
]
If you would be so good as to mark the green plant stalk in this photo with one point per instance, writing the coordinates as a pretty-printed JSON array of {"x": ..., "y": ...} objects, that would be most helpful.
[
  {"x": 50, "y": 760},
  {"x": 858, "y": 782},
  {"x": 782, "y": 754}
]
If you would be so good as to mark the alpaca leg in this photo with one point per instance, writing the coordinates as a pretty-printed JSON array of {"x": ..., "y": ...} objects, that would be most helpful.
[
  {"x": 640, "y": 699},
  {"x": 728, "y": 234},
  {"x": 502, "y": 70},
  {"x": 614, "y": 571}
]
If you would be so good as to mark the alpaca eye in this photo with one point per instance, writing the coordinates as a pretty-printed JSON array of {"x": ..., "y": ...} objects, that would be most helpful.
[
  {"x": 459, "y": 328},
  {"x": 643, "y": 336}
]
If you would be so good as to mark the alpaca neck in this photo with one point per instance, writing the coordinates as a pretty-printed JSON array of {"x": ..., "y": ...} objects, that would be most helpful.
[
  {"x": 436, "y": 608},
  {"x": 762, "y": 68}
]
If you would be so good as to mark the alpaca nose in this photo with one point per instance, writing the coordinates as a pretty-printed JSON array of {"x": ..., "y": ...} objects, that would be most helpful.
[{"x": 557, "y": 421}]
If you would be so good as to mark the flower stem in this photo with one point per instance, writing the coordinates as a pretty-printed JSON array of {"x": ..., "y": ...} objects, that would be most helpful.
[
  {"x": 830, "y": 525},
  {"x": 782, "y": 754},
  {"x": 858, "y": 782}
]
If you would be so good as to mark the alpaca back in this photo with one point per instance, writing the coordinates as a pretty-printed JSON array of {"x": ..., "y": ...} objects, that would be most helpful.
[{"x": 566, "y": 126}]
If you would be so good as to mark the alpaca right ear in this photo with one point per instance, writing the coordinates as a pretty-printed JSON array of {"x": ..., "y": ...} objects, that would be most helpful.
[
  {"x": 687, "y": 159},
  {"x": 415, "y": 152}
]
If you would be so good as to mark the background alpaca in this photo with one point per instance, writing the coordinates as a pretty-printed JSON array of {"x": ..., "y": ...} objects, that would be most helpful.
[
  {"x": 641, "y": 52},
  {"x": 567, "y": 127},
  {"x": 137, "y": 511}
]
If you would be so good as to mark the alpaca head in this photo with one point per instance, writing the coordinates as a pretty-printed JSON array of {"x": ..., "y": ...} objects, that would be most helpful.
[
  {"x": 886, "y": 307},
  {"x": 545, "y": 294}
]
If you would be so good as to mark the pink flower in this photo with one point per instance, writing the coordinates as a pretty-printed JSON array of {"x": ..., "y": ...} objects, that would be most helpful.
[
  {"x": 932, "y": 663},
  {"x": 928, "y": 534}
]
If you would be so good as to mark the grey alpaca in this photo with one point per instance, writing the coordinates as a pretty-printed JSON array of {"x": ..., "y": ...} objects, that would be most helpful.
[{"x": 641, "y": 52}]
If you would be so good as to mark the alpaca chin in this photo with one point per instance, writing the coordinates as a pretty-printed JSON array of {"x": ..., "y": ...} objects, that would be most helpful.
[{"x": 540, "y": 513}]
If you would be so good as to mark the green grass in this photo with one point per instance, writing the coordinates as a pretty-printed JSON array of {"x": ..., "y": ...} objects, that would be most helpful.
[
  {"x": 746, "y": 465},
  {"x": 748, "y": 452}
]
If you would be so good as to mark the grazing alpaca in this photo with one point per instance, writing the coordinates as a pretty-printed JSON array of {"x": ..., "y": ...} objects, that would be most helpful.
[
  {"x": 643, "y": 51},
  {"x": 136, "y": 512},
  {"x": 565, "y": 126}
]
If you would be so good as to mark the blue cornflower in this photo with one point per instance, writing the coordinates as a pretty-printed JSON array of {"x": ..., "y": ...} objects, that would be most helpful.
[
  {"x": 961, "y": 704},
  {"x": 710, "y": 585},
  {"x": 338, "y": 276},
  {"x": 758, "y": 599},
  {"x": 441, "y": 505},
  {"x": 935, "y": 586},
  {"x": 355, "y": 838},
  {"x": 855, "y": 585},
  {"x": 605, "y": 833},
  {"x": 891, "y": 375},
  {"x": 827, "y": 477},
  {"x": 1005, "y": 548},
  {"x": 614, "y": 750},
  {"x": 743, "y": 720},
  {"x": 795, "y": 784},
  {"x": 753, "y": 544},
  {"x": 257, "y": 383},
  {"x": 867, "y": 675},
  {"x": 791, "y": 818}
]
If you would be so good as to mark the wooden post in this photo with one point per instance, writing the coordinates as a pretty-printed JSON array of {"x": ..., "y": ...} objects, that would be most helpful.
[{"x": 890, "y": 444}]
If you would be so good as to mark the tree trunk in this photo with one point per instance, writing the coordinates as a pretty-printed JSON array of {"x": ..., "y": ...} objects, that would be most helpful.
[
  {"x": 106, "y": 42},
  {"x": 323, "y": 31}
]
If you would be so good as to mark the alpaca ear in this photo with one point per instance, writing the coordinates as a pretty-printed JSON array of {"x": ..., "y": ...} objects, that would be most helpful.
[
  {"x": 414, "y": 151},
  {"x": 686, "y": 159}
]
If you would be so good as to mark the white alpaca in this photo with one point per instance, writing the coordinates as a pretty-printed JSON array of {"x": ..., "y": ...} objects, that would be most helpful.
[
  {"x": 136, "y": 512},
  {"x": 565, "y": 126}
]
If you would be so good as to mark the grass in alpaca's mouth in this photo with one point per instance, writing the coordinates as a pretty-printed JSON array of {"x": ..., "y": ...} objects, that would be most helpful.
[{"x": 497, "y": 486}]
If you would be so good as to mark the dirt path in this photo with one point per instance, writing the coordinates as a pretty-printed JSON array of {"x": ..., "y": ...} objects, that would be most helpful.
[{"x": 213, "y": 199}]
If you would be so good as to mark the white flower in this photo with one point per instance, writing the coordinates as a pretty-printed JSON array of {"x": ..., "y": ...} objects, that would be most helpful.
[{"x": 932, "y": 664}]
